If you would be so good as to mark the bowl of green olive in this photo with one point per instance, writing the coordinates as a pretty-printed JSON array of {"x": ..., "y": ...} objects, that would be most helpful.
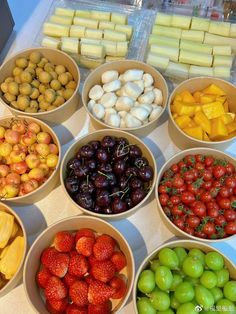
[{"x": 41, "y": 83}]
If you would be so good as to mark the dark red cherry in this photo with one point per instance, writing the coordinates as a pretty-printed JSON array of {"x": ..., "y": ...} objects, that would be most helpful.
[
  {"x": 84, "y": 200},
  {"x": 103, "y": 198},
  {"x": 119, "y": 206},
  {"x": 146, "y": 173},
  {"x": 137, "y": 196}
]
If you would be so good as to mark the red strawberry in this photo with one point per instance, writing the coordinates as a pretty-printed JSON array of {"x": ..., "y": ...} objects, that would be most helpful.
[
  {"x": 85, "y": 245},
  {"x": 120, "y": 286},
  {"x": 79, "y": 293},
  {"x": 92, "y": 260},
  {"x": 42, "y": 277},
  {"x": 103, "y": 250},
  {"x": 103, "y": 271},
  {"x": 59, "y": 266},
  {"x": 104, "y": 308},
  {"x": 99, "y": 292},
  {"x": 55, "y": 289},
  {"x": 84, "y": 232},
  {"x": 73, "y": 253},
  {"x": 74, "y": 309},
  {"x": 48, "y": 255},
  {"x": 56, "y": 306},
  {"x": 69, "y": 279},
  {"x": 106, "y": 238},
  {"x": 78, "y": 265},
  {"x": 119, "y": 260},
  {"x": 89, "y": 279},
  {"x": 64, "y": 241}
]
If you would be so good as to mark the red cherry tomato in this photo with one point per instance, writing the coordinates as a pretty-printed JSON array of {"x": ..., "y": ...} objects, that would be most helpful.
[
  {"x": 162, "y": 189},
  {"x": 230, "y": 215},
  {"x": 229, "y": 168},
  {"x": 188, "y": 176},
  {"x": 175, "y": 200},
  {"x": 207, "y": 175},
  {"x": 200, "y": 158},
  {"x": 219, "y": 171},
  {"x": 224, "y": 191},
  {"x": 193, "y": 221},
  {"x": 200, "y": 234},
  {"x": 220, "y": 220},
  {"x": 177, "y": 210},
  {"x": 230, "y": 228},
  {"x": 175, "y": 168},
  {"x": 207, "y": 185},
  {"x": 209, "y": 160},
  {"x": 189, "y": 160},
  {"x": 187, "y": 197},
  {"x": 199, "y": 166},
  {"x": 179, "y": 222},
  {"x": 206, "y": 197},
  {"x": 163, "y": 198},
  {"x": 199, "y": 208},
  {"x": 209, "y": 228},
  {"x": 177, "y": 181},
  {"x": 230, "y": 182},
  {"x": 182, "y": 164},
  {"x": 224, "y": 203},
  {"x": 189, "y": 230}
]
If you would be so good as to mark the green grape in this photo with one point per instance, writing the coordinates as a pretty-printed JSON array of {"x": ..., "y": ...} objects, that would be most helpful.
[
  {"x": 160, "y": 300},
  {"x": 168, "y": 258},
  {"x": 184, "y": 292},
  {"x": 230, "y": 290},
  {"x": 193, "y": 281},
  {"x": 204, "y": 296},
  {"x": 174, "y": 303},
  {"x": 163, "y": 277},
  {"x": 214, "y": 260},
  {"x": 217, "y": 293},
  {"x": 145, "y": 307},
  {"x": 186, "y": 308},
  {"x": 177, "y": 279},
  {"x": 154, "y": 264},
  {"x": 208, "y": 279},
  {"x": 192, "y": 267},
  {"x": 182, "y": 254},
  {"x": 225, "y": 306},
  {"x": 169, "y": 311},
  {"x": 197, "y": 253},
  {"x": 146, "y": 282},
  {"x": 222, "y": 277}
]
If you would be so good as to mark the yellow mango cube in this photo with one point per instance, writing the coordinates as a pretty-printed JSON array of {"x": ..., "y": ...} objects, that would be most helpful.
[
  {"x": 185, "y": 109},
  {"x": 176, "y": 105},
  {"x": 206, "y": 137},
  {"x": 175, "y": 115},
  {"x": 218, "y": 129},
  {"x": 198, "y": 108},
  {"x": 214, "y": 90},
  {"x": 187, "y": 97},
  {"x": 178, "y": 97},
  {"x": 231, "y": 127},
  {"x": 192, "y": 124},
  {"x": 197, "y": 96},
  {"x": 183, "y": 121},
  {"x": 206, "y": 99},
  {"x": 228, "y": 117},
  {"x": 213, "y": 110},
  {"x": 202, "y": 120},
  {"x": 195, "y": 132},
  {"x": 221, "y": 99},
  {"x": 226, "y": 106}
]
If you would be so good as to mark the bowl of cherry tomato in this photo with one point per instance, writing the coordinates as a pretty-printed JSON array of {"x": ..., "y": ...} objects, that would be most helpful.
[{"x": 196, "y": 194}]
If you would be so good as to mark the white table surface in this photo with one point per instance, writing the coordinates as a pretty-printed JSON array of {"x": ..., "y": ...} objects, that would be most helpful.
[{"x": 144, "y": 230}]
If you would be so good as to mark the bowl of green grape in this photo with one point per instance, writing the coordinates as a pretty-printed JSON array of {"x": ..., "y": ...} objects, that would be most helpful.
[{"x": 185, "y": 277}]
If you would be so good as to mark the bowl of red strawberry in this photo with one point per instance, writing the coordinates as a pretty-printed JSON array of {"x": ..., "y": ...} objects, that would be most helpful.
[
  {"x": 196, "y": 194},
  {"x": 79, "y": 265},
  {"x": 108, "y": 174}
]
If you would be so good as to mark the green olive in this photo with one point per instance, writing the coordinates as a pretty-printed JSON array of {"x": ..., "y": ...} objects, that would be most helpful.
[
  {"x": 44, "y": 105},
  {"x": 49, "y": 67},
  {"x": 23, "y": 102},
  {"x": 25, "y": 89},
  {"x": 21, "y": 62},
  {"x": 55, "y": 84},
  {"x": 42, "y": 63},
  {"x": 51, "y": 108},
  {"x": 63, "y": 78},
  {"x": 26, "y": 77},
  {"x": 71, "y": 84},
  {"x": 41, "y": 98},
  {"x": 45, "y": 77},
  {"x": 17, "y": 79},
  {"x": 58, "y": 101},
  {"x": 60, "y": 69},
  {"x": 31, "y": 110},
  {"x": 32, "y": 71},
  {"x": 17, "y": 71},
  {"x": 60, "y": 92},
  {"x": 50, "y": 95},
  {"x": 34, "y": 104},
  {"x": 35, "y": 83},
  {"x": 38, "y": 71},
  {"x": 35, "y": 93},
  {"x": 32, "y": 65},
  {"x": 4, "y": 87},
  {"x": 35, "y": 57},
  {"x": 9, "y": 79},
  {"x": 68, "y": 93},
  {"x": 54, "y": 75},
  {"x": 9, "y": 97},
  {"x": 42, "y": 88},
  {"x": 13, "y": 88},
  {"x": 70, "y": 77}
]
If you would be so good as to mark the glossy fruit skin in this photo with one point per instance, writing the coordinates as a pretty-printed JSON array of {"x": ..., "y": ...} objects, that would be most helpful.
[
  {"x": 109, "y": 176},
  {"x": 203, "y": 187}
]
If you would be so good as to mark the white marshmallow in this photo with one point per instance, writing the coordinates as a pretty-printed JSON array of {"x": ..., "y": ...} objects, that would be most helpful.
[
  {"x": 132, "y": 90},
  {"x": 108, "y": 100},
  {"x": 139, "y": 113},
  {"x": 109, "y": 76},
  {"x": 147, "y": 98},
  {"x": 90, "y": 105},
  {"x": 148, "y": 79},
  {"x": 131, "y": 121},
  {"x": 113, "y": 120},
  {"x": 98, "y": 111},
  {"x": 124, "y": 103},
  {"x": 132, "y": 75},
  {"x": 158, "y": 96},
  {"x": 96, "y": 92},
  {"x": 155, "y": 113},
  {"x": 112, "y": 86}
]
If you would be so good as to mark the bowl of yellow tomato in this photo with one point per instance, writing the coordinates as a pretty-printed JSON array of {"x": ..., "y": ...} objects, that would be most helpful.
[{"x": 202, "y": 112}]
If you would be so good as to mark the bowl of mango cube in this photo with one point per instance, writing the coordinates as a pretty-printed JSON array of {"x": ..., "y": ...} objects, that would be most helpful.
[
  {"x": 13, "y": 247},
  {"x": 202, "y": 112}
]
